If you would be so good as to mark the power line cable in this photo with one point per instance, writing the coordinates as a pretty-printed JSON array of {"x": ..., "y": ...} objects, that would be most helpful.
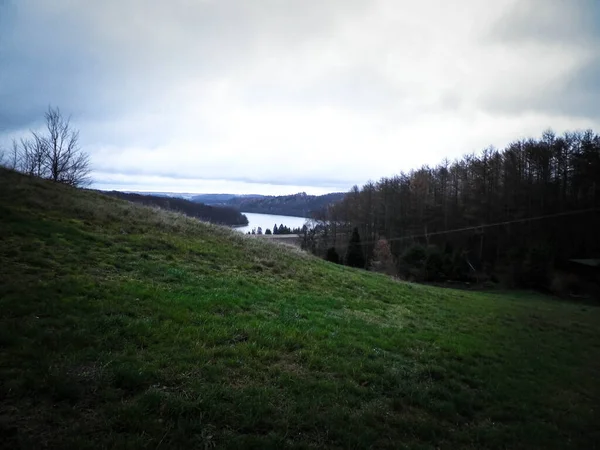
[{"x": 489, "y": 225}]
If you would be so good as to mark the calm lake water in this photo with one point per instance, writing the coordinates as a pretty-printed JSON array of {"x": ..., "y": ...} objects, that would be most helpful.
[{"x": 268, "y": 220}]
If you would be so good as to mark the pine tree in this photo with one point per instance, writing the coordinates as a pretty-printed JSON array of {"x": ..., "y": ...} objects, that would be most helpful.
[
  {"x": 354, "y": 254},
  {"x": 275, "y": 229},
  {"x": 332, "y": 255}
]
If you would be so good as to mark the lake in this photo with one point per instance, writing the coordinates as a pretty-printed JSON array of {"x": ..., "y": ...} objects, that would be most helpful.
[{"x": 268, "y": 220}]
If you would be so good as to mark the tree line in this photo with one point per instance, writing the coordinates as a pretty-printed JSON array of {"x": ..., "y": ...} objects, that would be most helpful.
[
  {"x": 515, "y": 214},
  {"x": 277, "y": 230},
  {"x": 298, "y": 205},
  {"x": 214, "y": 214}
]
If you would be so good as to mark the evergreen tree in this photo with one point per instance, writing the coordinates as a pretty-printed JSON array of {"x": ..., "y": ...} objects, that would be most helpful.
[
  {"x": 268, "y": 231},
  {"x": 275, "y": 230},
  {"x": 332, "y": 255},
  {"x": 354, "y": 254}
]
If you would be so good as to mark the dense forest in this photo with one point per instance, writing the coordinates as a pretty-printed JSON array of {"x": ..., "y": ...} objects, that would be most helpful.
[
  {"x": 219, "y": 199},
  {"x": 517, "y": 215},
  {"x": 214, "y": 214},
  {"x": 299, "y": 205}
]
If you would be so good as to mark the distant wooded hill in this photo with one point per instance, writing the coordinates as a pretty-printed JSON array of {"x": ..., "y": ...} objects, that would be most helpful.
[
  {"x": 218, "y": 199},
  {"x": 224, "y": 215},
  {"x": 300, "y": 205}
]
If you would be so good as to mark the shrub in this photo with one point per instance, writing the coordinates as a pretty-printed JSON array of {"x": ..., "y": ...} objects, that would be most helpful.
[
  {"x": 434, "y": 264},
  {"x": 564, "y": 284},
  {"x": 383, "y": 261},
  {"x": 420, "y": 263},
  {"x": 412, "y": 262}
]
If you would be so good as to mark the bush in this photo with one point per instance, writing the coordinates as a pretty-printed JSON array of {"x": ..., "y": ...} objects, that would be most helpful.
[
  {"x": 457, "y": 268},
  {"x": 563, "y": 284},
  {"x": 434, "y": 264},
  {"x": 420, "y": 263},
  {"x": 414, "y": 255},
  {"x": 383, "y": 261},
  {"x": 412, "y": 262}
]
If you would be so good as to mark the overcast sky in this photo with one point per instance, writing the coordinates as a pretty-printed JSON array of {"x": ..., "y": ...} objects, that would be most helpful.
[{"x": 281, "y": 96}]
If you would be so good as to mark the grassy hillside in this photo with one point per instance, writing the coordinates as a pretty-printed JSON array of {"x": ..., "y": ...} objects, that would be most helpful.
[
  {"x": 215, "y": 214},
  {"x": 127, "y": 327}
]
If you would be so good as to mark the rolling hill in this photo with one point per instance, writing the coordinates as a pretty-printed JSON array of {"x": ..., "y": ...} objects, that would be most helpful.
[
  {"x": 298, "y": 205},
  {"x": 123, "y": 326},
  {"x": 222, "y": 215}
]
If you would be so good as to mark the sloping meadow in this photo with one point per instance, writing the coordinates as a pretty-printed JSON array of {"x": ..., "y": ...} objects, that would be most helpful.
[{"x": 129, "y": 327}]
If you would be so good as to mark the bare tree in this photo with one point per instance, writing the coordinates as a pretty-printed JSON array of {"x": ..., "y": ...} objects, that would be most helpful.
[
  {"x": 11, "y": 158},
  {"x": 63, "y": 160},
  {"x": 16, "y": 156},
  {"x": 54, "y": 154},
  {"x": 29, "y": 156}
]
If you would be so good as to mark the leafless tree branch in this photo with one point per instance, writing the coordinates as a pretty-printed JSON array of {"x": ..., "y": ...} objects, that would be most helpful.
[{"x": 54, "y": 154}]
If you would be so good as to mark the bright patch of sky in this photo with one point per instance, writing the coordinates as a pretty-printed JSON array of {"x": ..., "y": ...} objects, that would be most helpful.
[{"x": 276, "y": 97}]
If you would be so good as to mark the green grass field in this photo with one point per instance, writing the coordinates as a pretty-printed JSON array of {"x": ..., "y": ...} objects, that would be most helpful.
[{"x": 127, "y": 327}]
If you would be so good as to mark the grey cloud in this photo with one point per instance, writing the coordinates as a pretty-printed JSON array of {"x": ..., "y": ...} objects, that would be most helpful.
[
  {"x": 581, "y": 93},
  {"x": 105, "y": 58},
  {"x": 576, "y": 96},
  {"x": 44, "y": 63},
  {"x": 550, "y": 21},
  {"x": 573, "y": 26},
  {"x": 233, "y": 78},
  {"x": 301, "y": 180},
  {"x": 357, "y": 87}
]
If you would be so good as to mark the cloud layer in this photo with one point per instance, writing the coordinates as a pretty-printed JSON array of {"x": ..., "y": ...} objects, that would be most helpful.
[{"x": 295, "y": 93}]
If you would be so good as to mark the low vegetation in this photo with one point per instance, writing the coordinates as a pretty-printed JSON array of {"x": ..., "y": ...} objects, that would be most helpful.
[{"x": 123, "y": 326}]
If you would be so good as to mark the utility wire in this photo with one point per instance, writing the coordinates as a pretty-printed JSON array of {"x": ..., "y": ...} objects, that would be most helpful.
[{"x": 488, "y": 225}]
